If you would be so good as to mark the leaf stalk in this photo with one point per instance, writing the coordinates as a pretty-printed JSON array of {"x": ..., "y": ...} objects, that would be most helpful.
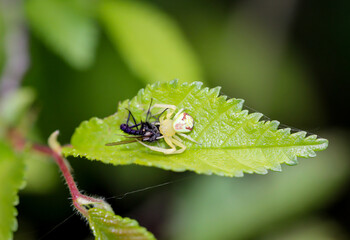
[{"x": 80, "y": 201}]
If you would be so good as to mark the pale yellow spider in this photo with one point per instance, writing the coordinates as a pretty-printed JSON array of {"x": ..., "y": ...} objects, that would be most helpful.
[{"x": 181, "y": 123}]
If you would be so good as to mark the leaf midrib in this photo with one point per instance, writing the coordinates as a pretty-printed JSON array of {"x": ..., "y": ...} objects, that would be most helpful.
[
  {"x": 229, "y": 148},
  {"x": 258, "y": 147}
]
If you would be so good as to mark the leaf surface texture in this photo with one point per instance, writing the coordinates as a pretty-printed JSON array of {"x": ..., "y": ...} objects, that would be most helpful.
[
  {"x": 12, "y": 179},
  {"x": 107, "y": 226},
  {"x": 232, "y": 140}
]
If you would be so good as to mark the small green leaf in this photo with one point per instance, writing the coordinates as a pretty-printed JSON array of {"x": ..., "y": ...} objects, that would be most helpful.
[
  {"x": 11, "y": 179},
  {"x": 232, "y": 141},
  {"x": 67, "y": 27},
  {"x": 16, "y": 105},
  {"x": 39, "y": 167},
  {"x": 150, "y": 41},
  {"x": 107, "y": 226}
]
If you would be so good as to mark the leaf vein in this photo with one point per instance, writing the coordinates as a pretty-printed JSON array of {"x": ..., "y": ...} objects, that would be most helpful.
[
  {"x": 262, "y": 134},
  {"x": 239, "y": 162},
  {"x": 211, "y": 121},
  {"x": 188, "y": 94},
  {"x": 231, "y": 134}
]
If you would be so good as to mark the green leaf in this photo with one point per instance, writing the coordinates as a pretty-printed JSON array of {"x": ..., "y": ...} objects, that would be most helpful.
[
  {"x": 232, "y": 141},
  {"x": 11, "y": 180},
  {"x": 150, "y": 41},
  {"x": 13, "y": 109},
  {"x": 39, "y": 167},
  {"x": 107, "y": 226},
  {"x": 16, "y": 105},
  {"x": 67, "y": 27}
]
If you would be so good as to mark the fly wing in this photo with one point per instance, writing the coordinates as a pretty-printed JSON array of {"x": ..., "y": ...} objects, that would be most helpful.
[
  {"x": 126, "y": 141},
  {"x": 130, "y": 136}
]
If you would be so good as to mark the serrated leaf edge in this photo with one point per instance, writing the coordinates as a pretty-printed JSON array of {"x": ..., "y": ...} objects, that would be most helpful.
[{"x": 255, "y": 117}]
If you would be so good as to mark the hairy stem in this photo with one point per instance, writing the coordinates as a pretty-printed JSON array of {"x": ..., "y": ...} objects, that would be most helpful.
[{"x": 80, "y": 201}]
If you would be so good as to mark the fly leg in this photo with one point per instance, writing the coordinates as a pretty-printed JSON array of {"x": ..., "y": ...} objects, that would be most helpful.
[{"x": 127, "y": 121}]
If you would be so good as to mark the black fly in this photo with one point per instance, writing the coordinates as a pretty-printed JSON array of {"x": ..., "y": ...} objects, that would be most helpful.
[{"x": 144, "y": 131}]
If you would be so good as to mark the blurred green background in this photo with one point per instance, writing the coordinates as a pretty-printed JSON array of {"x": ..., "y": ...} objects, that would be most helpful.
[{"x": 287, "y": 59}]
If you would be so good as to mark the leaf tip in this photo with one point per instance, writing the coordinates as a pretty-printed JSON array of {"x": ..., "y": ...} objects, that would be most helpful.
[
  {"x": 274, "y": 124},
  {"x": 237, "y": 103},
  {"x": 292, "y": 161},
  {"x": 323, "y": 143},
  {"x": 238, "y": 173},
  {"x": 262, "y": 171},
  {"x": 277, "y": 168},
  {"x": 197, "y": 84},
  {"x": 215, "y": 91},
  {"x": 53, "y": 143},
  {"x": 174, "y": 83}
]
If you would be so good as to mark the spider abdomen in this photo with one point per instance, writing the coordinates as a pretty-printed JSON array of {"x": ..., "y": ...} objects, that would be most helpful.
[{"x": 183, "y": 123}]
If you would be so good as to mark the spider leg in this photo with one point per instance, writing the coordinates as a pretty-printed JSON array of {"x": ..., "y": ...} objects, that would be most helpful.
[
  {"x": 157, "y": 149},
  {"x": 170, "y": 113},
  {"x": 177, "y": 138},
  {"x": 173, "y": 107},
  {"x": 178, "y": 143},
  {"x": 158, "y": 141},
  {"x": 178, "y": 113},
  {"x": 189, "y": 138},
  {"x": 169, "y": 141}
]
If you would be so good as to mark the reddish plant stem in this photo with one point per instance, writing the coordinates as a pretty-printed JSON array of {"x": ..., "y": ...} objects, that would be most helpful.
[
  {"x": 78, "y": 199},
  {"x": 42, "y": 149},
  {"x": 64, "y": 167},
  {"x": 62, "y": 163},
  {"x": 67, "y": 175}
]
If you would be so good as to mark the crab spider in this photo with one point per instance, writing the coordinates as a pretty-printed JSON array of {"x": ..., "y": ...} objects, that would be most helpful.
[{"x": 170, "y": 127}]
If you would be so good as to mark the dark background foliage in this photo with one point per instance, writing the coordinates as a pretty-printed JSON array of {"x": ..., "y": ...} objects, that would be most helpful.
[{"x": 287, "y": 59}]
